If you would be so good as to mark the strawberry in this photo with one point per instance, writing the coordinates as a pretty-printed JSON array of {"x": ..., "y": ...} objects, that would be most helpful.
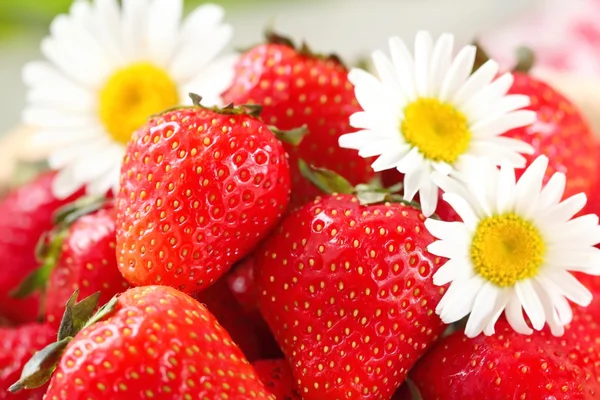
[
  {"x": 200, "y": 188},
  {"x": 241, "y": 283},
  {"x": 17, "y": 345},
  {"x": 593, "y": 203},
  {"x": 509, "y": 365},
  {"x": 247, "y": 329},
  {"x": 25, "y": 214},
  {"x": 347, "y": 290},
  {"x": 81, "y": 256},
  {"x": 151, "y": 342},
  {"x": 295, "y": 88},
  {"x": 277, "y": 376},
  {"x": 560, "y": 132}
]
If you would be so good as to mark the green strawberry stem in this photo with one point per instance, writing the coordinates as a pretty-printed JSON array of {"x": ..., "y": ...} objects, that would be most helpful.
[
  {"x": 273, "y": 37},
  {"x": 331, "y": 182},
  {"x": 415, "y": 394},
  {"x": 291, "y": 136},
  {"x": 524, "y": 55},
  {"x": 78, "y": 315}
]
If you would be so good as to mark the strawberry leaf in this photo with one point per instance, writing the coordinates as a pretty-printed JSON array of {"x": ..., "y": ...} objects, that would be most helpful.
[
  {"x": 525, "y": 59},
  {"x": 38, "y": 370},
  {"x": 103, "y": 311},
  {"x": 414, "y": 391},
  {"x": 65, "y": 216},
  {"x": 77, "y": 314},
  {"x": 291, "y": 136},
  {"x": 326, "y": 180}
]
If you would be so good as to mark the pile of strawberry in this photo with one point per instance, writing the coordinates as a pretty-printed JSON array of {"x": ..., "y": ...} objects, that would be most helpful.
[{"x": 235, "y": 264}]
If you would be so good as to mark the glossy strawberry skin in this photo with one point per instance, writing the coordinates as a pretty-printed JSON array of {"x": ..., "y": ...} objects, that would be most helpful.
[
  {"x": 25, "y": 214},
  {"x": 560, "y": 132},
  {"x": 294, "y": 90},
  {"x": 277, "y": 377},
  {"x": 199, "y": 189},
  {"x": 87, "y": 262},
  {"x": 242, "y": 285},
  {"x": 509, "y": 365},
  {"x": 158, "y": 343},
  {"x": 347, "y": 291},
  {"x": 17, "y": 345}
]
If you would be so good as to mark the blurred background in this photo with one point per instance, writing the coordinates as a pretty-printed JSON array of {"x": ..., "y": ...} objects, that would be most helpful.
[{"x": 566, "y": 33}]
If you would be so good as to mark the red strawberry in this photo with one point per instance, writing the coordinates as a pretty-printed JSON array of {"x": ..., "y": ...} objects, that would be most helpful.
[
  {"x": 298, "y": 88},
  {"x": 25, "y": 214},
  {"x": 560, "y": 132},
  {"x": 17, "y": 345},
  {"x": 152, "y": 342},
  {"x": 83, "y": 259},
  {"x": 199, "y": 189},
  {"x": 247, "y": 329},
  {"x": 242, "y": 285},
  {"x": 348, "y": 293},
  {"x": 593, "y": 203},
  {"x": 277, "y": 376},
  {"x": 513, "y": 366}
]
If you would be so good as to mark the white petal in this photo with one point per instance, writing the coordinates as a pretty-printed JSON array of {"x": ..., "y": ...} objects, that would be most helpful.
[
  {"x": 531, "y": 303},
  {"x": 134, "y": 25},
  {"x": 498, "y": 126},
  {"x": 204, "y": 19},
  {"x": 514, "y": 315},
  {"x": 64, "y": 184},
  {"x": 441, "y": 59},
  {"x": 530, "y": 184},
  {"x": 483, "y": 307},
  {"x": 412, "y": 179},
  {"x": 566, "y": 209},
  {"x": 212, "y": 80},
  {"x": 390, "y": 159},
  {"x": 164, "y": 17},
  {"x": 480, "y": 79},
  {"x": 372, "y": 95},
  {"x": 579, "y": 259},
  {"x": 497, "y": 310},
  {"x": 461, "y": 302},
  {"x": 428, "y": 196},
  {"x": 455, "y": 269},
  {"x": 195, "y": 55},
  {"x": 458, "y": 72},
  {"x": 413, "y": 161},
  {"x": 448, "y": 230},
  {"x": 103, "y": 184},
  {"x": 495, "y": 153},
  {"x": 489, "y": 94},
  {"x": 553, "y": 191},
  {"x": 423, "y": 48},
  {"x": 404, "y": 64},
  {"x": 387, "y": 73},
  {"x": 570, "y": 287},
  {"x": 356, "y": 140},
  {"x": 552, "y": 319},
  {"x": 448, "y": 249},
  {"x": 506, "y": 189},
  {"x": 463, "y": 209}
]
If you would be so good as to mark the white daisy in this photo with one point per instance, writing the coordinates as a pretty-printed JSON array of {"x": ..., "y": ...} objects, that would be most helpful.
[
  {"x": 515, "y": 249},
  {"x": 426, "y": 113},
  {"x": 109, "y": 68}
]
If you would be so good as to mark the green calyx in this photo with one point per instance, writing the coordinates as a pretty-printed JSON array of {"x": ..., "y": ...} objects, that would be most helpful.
[
  {"x": 331, "y": 182},
  {"x": 291, "y": 136},
  {"x": 49, "y": 247},
  {"x": 253, "y": 110},
  {"x": 78, "y": 315},
  {"x": 525, "y": 58},
  {"x": 275, "y": 38}
]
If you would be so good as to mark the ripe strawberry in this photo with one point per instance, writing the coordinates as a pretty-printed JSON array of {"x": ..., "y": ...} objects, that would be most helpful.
[
  {"x": 247, "y": 329},
  {"x": 593, "y": 203},
  {"x": 85, "y": 261},
  {"x": 277, "y": 376},
  {"x": 298, "y": 88},
  {"x": 513, "y": 366},
  {"x": 17, "y": 345},
  {"x": 242, "y": 285},
  {"x": 25, "y": 214},
  {"x": 348, "y": 293},
  {"x": 560, "y": 132},
  {"x": 152, "y": 342},
  {"x": 199, "y": 189}
]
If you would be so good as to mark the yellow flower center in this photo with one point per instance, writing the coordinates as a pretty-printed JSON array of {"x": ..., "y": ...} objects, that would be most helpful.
[
  {"x": 437, "y": 129},
  {"x": 506, "y": 249},
  {"x": 133, "y": 94}
]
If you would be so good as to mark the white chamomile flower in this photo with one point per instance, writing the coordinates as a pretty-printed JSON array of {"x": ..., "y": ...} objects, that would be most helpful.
[
  {"x": 515, "y": 250},
  {"x": 110, "y": 66},
  {"x": 427, "y": 112}
]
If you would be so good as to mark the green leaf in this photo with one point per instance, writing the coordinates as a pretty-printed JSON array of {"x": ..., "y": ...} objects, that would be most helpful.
[
  {"x": 48, "y": 255},
  {"x": 292, "y": 136},
  {"x": 326, "y": 180},
  {"x": 103, "y": 311},
  {"x": 66, "y": 215},
  {"x": 414, "y": 390},
  {"x": 77, "y": 314},
  {"x": 38, "y": 370},
  {"x": 525, "y": 59}
]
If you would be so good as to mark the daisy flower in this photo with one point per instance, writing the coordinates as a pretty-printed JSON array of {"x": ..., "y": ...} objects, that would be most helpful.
[
  {"x": 110, "y": 66},
  {"x": 515, "y": 250},
  {"x": 428, "y": 112}
]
